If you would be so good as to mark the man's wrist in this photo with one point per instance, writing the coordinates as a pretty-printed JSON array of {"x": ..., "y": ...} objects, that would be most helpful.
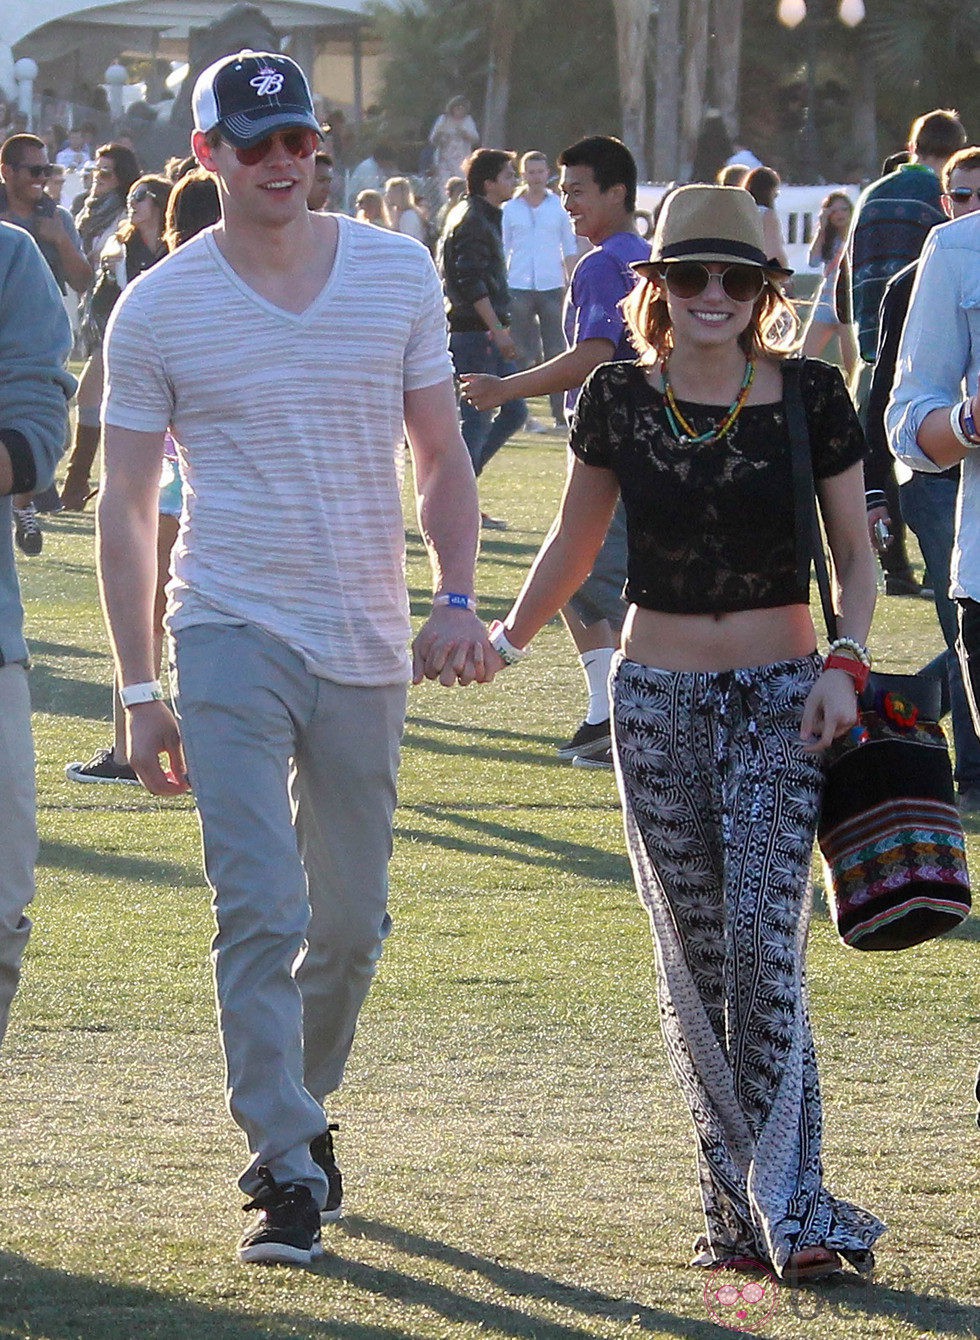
[{"x": 134, "y": 695}]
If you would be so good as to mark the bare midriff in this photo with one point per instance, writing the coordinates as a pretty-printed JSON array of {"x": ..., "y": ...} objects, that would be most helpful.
[{"x": 716, "y": 642}]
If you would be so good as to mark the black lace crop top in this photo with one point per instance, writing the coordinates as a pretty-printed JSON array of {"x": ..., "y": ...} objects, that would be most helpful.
[{"x": 710, "y": 527}]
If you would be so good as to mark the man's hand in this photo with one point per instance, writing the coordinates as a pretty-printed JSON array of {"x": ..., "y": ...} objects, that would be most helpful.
[
  {"x": 452, "y": 647},
  {"x": 153, "y": 731},
  {"x": 50, "y": 227},
  {"x": 504, "y": 341},
  {"x": 482, "y": 390}
]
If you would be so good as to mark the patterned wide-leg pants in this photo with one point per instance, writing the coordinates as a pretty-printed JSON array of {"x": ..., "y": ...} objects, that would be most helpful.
[{"x": 720, "y": 803}]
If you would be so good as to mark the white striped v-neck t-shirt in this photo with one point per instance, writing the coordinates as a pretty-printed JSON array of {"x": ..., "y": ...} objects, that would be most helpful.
[{"x": 289, "y": 431}]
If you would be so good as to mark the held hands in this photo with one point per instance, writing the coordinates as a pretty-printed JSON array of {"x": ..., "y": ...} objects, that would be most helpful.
[
  {"x": 831, "y": 710},
  {"x": 481, "y": 390},
  {"x": 452, "y": 648},
  {"x": 153, "y": 731}
]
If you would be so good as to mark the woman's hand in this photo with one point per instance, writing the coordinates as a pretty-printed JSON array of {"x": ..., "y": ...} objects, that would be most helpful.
[{"x": 830, "y": 711}]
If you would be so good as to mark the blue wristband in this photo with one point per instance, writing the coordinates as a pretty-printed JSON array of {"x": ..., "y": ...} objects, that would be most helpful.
[
  {"x": 455, "y": 600},
  {"x": 969, "y": 425}
]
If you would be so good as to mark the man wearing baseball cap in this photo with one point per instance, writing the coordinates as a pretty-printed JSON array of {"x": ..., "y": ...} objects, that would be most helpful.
[{"x": 289, "y": 352}]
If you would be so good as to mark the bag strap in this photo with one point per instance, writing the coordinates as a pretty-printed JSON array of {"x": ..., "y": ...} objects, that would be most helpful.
[{"x": 809, "y": 541}]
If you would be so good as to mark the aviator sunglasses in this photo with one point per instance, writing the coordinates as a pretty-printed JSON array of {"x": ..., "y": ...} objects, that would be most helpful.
[
  {"x": 298, "y": 143},
  {"x": 688, "y": 279}
]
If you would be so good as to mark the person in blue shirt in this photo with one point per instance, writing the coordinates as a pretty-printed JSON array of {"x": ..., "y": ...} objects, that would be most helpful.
[
  {"x": 598, "y": 190},
  {"x": 35, "y": 340}
]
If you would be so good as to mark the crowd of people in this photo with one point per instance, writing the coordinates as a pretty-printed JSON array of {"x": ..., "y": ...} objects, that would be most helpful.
[{"x": 267, "y": 352}]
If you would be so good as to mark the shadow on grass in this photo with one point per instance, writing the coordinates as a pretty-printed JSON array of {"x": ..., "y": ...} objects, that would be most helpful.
[
  {"x": 61, "y": 695},
  {"x": 485, "y": 732},
  {"x": 39, "y": 1300},
  {"x": 113, "y": 865},
  {"x": 523, "y": 753},
  {"x": 522, "y": 1284},
  {"x": 66, "y": 649},
  {"x": 497, "y": 839}
]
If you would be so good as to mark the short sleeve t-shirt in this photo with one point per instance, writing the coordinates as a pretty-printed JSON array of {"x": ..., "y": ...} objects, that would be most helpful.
[
  {"x": 710, "y": 525},
  {"x": 600, "y": 282},
  {"x": 289, "y": 434}
]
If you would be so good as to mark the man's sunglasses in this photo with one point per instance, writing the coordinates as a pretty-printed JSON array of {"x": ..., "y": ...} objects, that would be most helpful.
[
  {"x": 298, "y": 143},
  {"x": 37, "y": 170},
  {"x": 688, "y": 279},
  {"x": 962, "y": 195}
]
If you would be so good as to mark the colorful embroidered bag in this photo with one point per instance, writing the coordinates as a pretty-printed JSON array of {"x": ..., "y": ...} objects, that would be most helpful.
[{"x": 889, "y": 831}]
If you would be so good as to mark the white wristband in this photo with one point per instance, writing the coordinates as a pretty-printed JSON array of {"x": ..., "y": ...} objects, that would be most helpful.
[
  {"x": 956, "y": 426},
  {"x": 501, "y": 644},
  {"x": 134, "y": 694}
]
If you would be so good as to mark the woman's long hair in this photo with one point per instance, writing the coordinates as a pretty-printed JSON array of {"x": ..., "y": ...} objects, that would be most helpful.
[
  {"x": 833, "y": 236},
  {"x": 125, "y": 164},
  {"x": 159, "y": 188},
  {"x": 193, "y": 205},
  {"x": 771, "y": 331}
]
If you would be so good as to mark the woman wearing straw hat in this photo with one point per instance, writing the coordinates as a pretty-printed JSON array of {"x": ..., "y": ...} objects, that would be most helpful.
[{"x": 720, "y": 702}]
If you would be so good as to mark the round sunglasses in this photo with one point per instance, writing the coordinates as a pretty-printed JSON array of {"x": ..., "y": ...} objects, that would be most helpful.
[
  {"x": 688, "y": 279},
  {"x": 298, "y": 143}
]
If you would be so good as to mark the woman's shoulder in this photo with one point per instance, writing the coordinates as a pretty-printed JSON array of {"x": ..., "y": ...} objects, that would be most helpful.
[{"x": 615, "y": 376}]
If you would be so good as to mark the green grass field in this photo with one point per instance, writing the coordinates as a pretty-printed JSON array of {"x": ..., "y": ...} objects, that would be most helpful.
[{"x": 518, "y": 1161}]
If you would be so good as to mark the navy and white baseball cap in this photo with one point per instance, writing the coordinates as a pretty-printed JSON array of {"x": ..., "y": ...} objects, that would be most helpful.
[{"x": 252, "y": 95}]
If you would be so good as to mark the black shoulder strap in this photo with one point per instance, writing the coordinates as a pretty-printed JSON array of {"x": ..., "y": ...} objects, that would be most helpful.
[{"x": 809, "y": 541}]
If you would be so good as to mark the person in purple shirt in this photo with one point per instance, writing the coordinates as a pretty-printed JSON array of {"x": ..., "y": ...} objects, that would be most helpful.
[{"x": 598, "y": 190}]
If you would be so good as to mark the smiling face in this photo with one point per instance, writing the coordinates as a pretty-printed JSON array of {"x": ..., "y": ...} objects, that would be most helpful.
[
  {"x": 270, "y": 193},
  {"x": 711, "y": 318},
  {"x": 596, "y": 214},
  {"x": 25, "y": 185}
]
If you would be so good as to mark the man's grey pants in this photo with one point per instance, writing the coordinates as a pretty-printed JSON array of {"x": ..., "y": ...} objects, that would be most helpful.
[
  {"x": 294, "y": 778},
  {"x": 18, "y": 829}
]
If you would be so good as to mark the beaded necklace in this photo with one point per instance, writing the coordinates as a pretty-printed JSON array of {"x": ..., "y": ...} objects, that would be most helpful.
[{"x": 680, "y": 427}]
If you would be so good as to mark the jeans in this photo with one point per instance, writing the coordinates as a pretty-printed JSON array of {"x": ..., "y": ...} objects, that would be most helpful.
[
  {"x": 929, "y": 506},
  {"x": 18, "y": 829},
  {"x": 537, "y": 332},
  {"x": 294, "y": 778},
  {"x": 484, "y": 431}
]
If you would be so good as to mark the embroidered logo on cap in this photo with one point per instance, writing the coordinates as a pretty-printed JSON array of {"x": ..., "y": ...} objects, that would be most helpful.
[{"x": 267, "y": 82}]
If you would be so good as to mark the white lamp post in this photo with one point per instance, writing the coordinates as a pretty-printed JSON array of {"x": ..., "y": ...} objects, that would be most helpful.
[
  {"x": 25, "y": 72},
  {"x": 115, "y": 77}
]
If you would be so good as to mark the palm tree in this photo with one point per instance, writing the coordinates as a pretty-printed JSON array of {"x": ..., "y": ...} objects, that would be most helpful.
[{"x": 632, "y": 40}]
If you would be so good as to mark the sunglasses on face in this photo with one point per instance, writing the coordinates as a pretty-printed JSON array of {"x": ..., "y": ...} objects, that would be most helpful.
[
  {"x": 298, "y": 143},
  {"x": 688, "y": 279},
  {"x": 105, "y": 172},
  {"x": 37, "y": 170},
  {"x": 962, "y": 195},
  {"x": 141, "y": 193}
]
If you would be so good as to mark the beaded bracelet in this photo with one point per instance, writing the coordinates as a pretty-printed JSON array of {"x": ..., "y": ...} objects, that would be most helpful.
[
  {"x": 856, "y": 669},
  {"x": 846, "y": 644}
]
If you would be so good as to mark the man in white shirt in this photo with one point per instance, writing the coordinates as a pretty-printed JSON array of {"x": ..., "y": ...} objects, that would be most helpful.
[
  {"x": 541, "y": 251},
  {"x": 290, "y": 352}
]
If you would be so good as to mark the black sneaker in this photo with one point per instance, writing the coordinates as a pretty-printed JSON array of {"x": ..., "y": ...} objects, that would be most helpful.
[
  {"x": 287, "y": 1230},
  {"x": 27, "y": 530},
  {"x": 102, "y": 767},
  {"x": 321, "y": 1152},
  {"x": 603, "y": 760},
  {"x": 898, "y": 585},
  {"x": 588, "y": 741}
]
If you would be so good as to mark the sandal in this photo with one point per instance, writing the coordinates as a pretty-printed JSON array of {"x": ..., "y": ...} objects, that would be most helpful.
[{"x": 812, "y": 1263}]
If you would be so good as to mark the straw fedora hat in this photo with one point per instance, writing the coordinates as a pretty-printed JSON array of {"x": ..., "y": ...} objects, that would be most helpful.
[{"x": 709, "y": 223}]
